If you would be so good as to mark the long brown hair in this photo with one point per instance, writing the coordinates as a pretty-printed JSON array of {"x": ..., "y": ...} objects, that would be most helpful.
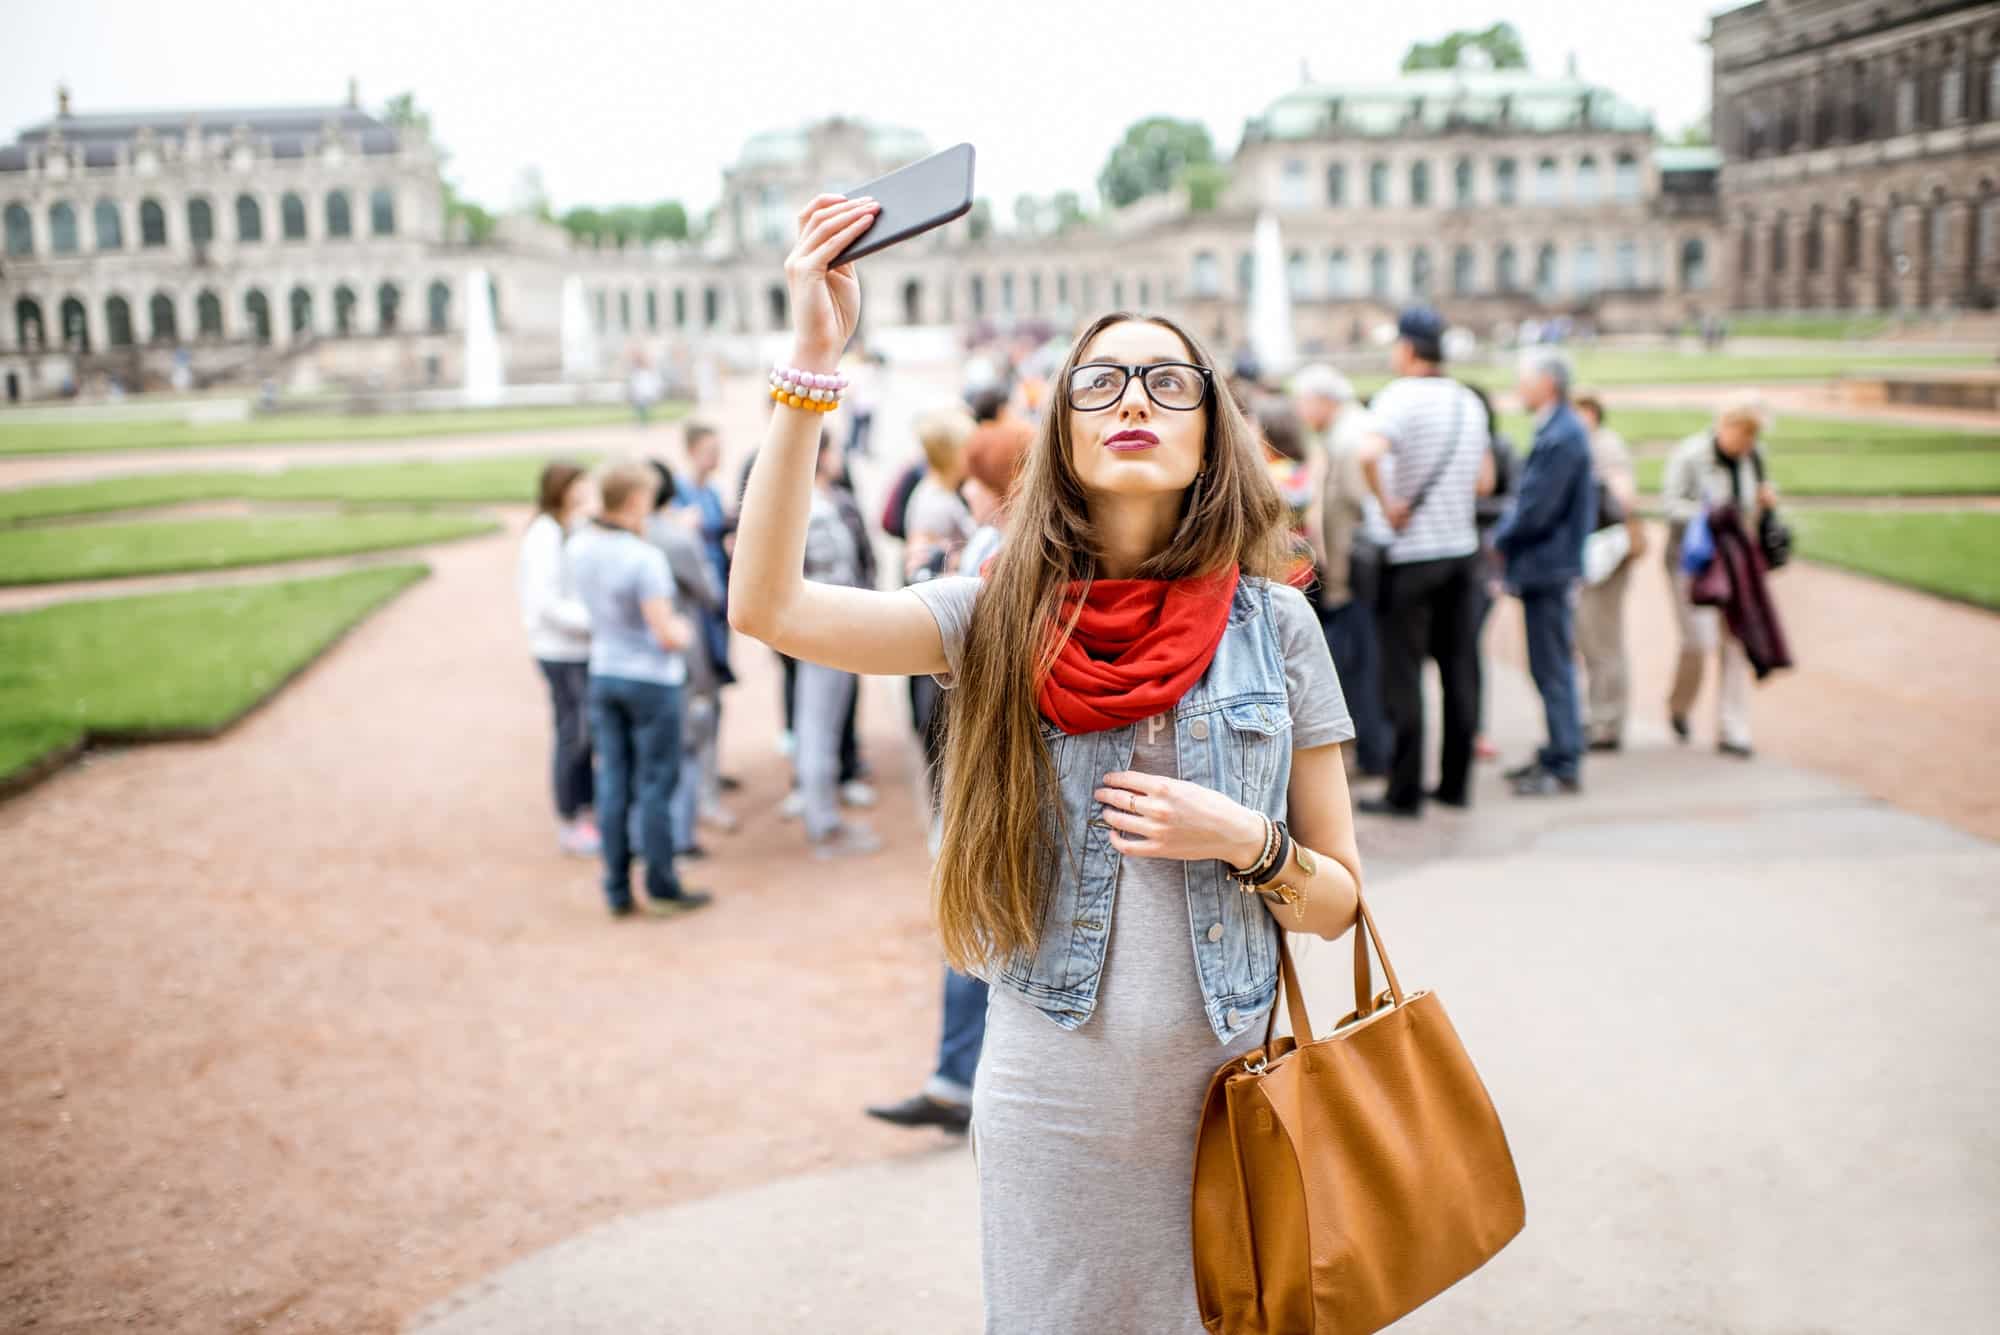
[
  {"x": 553, "y": 488},
  {"x": 1003, "y": 822}
]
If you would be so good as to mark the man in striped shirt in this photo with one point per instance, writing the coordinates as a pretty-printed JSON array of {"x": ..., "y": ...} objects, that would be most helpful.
[{"x": 1425, "y": 463}]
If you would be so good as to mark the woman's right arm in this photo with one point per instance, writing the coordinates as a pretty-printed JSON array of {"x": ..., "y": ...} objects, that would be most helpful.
[{"x": 770, "y": 599}]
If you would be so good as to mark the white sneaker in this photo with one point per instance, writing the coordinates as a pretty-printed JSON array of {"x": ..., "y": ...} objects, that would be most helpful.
[
  {"x": 787, "y": 744},
  {"x": 579, "y": 840},
  {"x": 855, "y": 793},
  {"x": 794, "y": 805},
  {"x": 847, "y": 840},
  {"x": 718, "y": 817}
]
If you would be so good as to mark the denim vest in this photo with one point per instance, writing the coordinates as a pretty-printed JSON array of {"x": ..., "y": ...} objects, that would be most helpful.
[{"x": 1232, "y": 733}]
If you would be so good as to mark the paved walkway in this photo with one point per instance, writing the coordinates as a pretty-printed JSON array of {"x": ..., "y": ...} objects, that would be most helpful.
[{"x": 1735, "y": 1018}]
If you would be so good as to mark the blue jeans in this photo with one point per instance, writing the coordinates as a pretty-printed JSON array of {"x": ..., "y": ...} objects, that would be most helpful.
[
  {"x": 636, "y": 726},
  {"x": 1551, "y": 623},
  {"x": 962, "y": 1036},
  {"x": 1350, "y": 638}
]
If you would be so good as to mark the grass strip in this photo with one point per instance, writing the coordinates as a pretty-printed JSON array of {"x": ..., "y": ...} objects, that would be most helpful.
[
  {"x": 305, "y": 428},
  {"x": 1955, "y": 554},
  {"x": 43, "y": 555}
]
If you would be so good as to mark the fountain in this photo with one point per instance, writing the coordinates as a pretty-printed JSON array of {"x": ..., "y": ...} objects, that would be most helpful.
[
  {"x": 484, "y": 380},
  {"x": 1271, "y": 339},
  {"x": 579, "y": 340}
]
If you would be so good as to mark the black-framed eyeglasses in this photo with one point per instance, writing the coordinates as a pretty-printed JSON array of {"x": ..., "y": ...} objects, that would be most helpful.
[{"x": 1179, "y": 386}]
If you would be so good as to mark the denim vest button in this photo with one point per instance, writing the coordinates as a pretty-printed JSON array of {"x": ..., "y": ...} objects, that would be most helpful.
[
  {"x": 1215, "y": 932},
  {"x": 1199, "y": 730},
  {"x": 1233, "y": 1019}
]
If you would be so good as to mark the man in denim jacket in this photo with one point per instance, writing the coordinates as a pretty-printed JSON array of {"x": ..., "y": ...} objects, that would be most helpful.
[{"x": 1541, "y": 540}]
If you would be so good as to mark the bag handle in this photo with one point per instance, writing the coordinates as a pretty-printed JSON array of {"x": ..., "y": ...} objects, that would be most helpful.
[{"x": 1364, "y": 987}]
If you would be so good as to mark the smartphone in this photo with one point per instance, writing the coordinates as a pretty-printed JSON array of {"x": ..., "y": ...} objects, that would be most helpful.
[{"x": 914, "y": 199}]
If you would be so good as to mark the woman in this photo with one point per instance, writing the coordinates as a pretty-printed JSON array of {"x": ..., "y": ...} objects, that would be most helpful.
[
  {"x": 1297, "y": 479},
  {"x": 1133, "y": 627},
  {"x": 559, "y": 638},
  {"x": 1707, "y": 469}
]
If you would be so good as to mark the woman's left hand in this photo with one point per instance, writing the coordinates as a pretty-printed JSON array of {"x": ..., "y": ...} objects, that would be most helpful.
[{"x": 1156, "y": 817}]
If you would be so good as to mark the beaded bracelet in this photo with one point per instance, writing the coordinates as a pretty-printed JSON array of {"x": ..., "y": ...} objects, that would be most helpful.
[
  {"x": 1248, "y": 876},
  {"x": 814, "y": 391}
]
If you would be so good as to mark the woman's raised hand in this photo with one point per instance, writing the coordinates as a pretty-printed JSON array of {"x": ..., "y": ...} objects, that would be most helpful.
[{"x": 826, "y": 303}]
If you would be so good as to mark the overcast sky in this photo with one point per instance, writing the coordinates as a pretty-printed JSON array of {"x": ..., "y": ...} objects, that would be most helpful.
[{"x": 623, "y": 101}]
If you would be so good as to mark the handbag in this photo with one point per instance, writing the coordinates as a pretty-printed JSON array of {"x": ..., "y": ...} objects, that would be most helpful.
[
  {"x": 1368, "y": 559},
  {"x": 1774, "y": 535},
  {"x": 1341, "y": 1182}
]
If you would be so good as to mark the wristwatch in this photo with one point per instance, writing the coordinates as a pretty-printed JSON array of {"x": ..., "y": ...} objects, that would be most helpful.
[{"x": 1284, "y": 892}]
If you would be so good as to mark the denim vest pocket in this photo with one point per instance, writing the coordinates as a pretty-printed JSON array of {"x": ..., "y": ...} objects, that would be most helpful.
[{"x": 1261, "y": 737}]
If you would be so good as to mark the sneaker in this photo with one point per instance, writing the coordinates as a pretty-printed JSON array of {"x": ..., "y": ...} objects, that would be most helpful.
[
  {"x": 787, "y": 744},
  {"x": 716, "y": 816},
  {"x": 1382, "y": 806},
  {"x": 1740, "y": 750},
  {"x": 1679, "y": 723},
  {"x": 692, "y": 853},
  {"x": 579, "y": 840},
  {"x": 1520, "y": 772},
  {"x": 794, "y": 805},
  {"x": 855, "y": 793},
  {"x": 1607, "y": 744},
  {"x": 1545, "y": 783},
  {"x": 847, "y": 841},
  {"x": 728, "y": 783},
  {"x": 687, "y": 901}
]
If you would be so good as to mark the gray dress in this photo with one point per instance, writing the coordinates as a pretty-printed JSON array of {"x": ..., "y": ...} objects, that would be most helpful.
[{"x": 1085, "y": 1138}]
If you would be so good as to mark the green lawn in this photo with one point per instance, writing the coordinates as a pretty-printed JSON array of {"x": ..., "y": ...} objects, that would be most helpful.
[
  {"x": 1853, "y": 473},
  {"x": 1658, "y": 426},
  {"x": 41, "y": 555},
  {"x": 1826, "y": 326},
  {"x": 500, "y": 479},
  {"x": 169, "y": 663},
  {"x": 1666, "y": 366},
  {"x": 327, "y": 428},
  {"x": 1956, "y": 554}
]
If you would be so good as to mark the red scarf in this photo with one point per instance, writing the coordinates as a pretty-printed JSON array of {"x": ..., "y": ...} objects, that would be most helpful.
[{"x": 1138, "y": 646}]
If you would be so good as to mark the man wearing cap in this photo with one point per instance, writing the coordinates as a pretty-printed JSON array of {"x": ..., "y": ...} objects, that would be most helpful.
[
  {"x": 1337, "y": 423},
  {"x": 1422, "y": 459}
]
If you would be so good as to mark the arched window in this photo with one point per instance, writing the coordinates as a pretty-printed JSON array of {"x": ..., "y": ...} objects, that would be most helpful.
[
  {"x": 109, "y": 227},
  {"x": 1585, "y": 277},
  {"x": 1506, "y": 183},
  {"x": 292, "y": 211},
  {"x": 493, "y": 300},
  {"x": 440, "y": 306},
  {"x": 1545, "y": 273},
  {"x": 975, "y": 295},
  {"x": 1292, "y": 185},
  {"x": 1461, "y": 271},
  {"x": 1780, "y": 242},
  {"x": 652, "y": 309},
  {"x": 339, "y": 217},
  {"x": 913, "y": 301},
  {"x": 711, "y": 307},
  {"x": 382, "y": 212},
  {"x": 1815, "y": 225},
  {"x": 1937, "y": 222},
  {"x": 344, "y": 302},
  {"x": 1548, "y": 182},
  {"x": 1586, "y": 180},
  {"x": 1207, "y": 278},
  {"x": 1007, "y": 294},
  {"x": 1850, "y": 237},
  {"x": 28, "y": 332},
  {"x": 20, "y": 231},
  {"x": 774, "y": 297},
  {"x": 249, "y": 219},
  {"x": 208, "y": 315},
  {"x": 1504, "y": 277},
  {"x": 1118, "y": 293},
  {"x": 1625, "y": 178},
  {"x": 152, "y": 223},
  {"x": 1461, "y": 183},
  {"x": 62, "y": 228},
  {"x": 1420, "y": 184},
  {"x": 1378, "y": 184},
  {"x": 201, "y": 221},
  {"x": 1246, "y": 273},
  {"x": 1062, "y": 290},
  {"x": 1297, "y": 281},
  {"x": 680, "y": 308},
  {"x": 1625, "y": 265},
  {"x": 1336, "y": 274},
  {"x": 75, "y": 325},
  {"x": 1336, "y": 184},
  {"x": 1746, "y": 250},
  {"x": 301, "y": 303},
  {"x": 624, "y": 310},
  {"x": 118, "y": 322},
  {"x": 160, "y": 311},
  {"x": 388, "y": 297},
  {"x": 1145, "y": 293},
  {"x": 1378, "y": 272},
  {"x": 1420, "y": 273},
  {"x": 257, "y": 310},
  {"x": 1906, "y": 103},
  {"x": 1694, "y": 265}
]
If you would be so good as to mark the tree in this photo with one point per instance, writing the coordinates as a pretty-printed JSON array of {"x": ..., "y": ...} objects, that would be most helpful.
[
  {"x": 1204, "y": 183},
  {"x": 623, "y": 223},
  {"x": 403, "y": 113},
  {"x": 979, "y": 222},
  {"x": 1500, "y": 48},
  {"x": 1068, "y": 208},
  {"x": 1028, "y": 214},
  {"x": 1154, "y": 153},
  {"x": 1695, "y": 135}
]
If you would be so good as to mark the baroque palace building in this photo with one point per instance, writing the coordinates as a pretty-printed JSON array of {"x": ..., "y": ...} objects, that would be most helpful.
[
  {"x": 1861, "y": 146},
  {"x": 310, "y": 245}
]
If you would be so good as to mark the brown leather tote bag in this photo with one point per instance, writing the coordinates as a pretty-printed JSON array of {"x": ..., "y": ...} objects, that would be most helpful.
[{"x": 1339, "y": 1183}]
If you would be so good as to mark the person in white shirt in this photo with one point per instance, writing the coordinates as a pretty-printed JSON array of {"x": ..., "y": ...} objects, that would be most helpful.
[{"x": 558, "y": 629}]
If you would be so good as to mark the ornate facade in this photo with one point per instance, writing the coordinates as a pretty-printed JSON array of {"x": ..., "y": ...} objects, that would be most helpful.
[{"x": 1861, "y": 146}]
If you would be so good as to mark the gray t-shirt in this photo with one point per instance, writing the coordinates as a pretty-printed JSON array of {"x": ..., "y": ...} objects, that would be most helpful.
[
  {"x": 1318, "y": 707},
  {"x": 614, "y": 572},
  {"x": 939, "y": 511}
]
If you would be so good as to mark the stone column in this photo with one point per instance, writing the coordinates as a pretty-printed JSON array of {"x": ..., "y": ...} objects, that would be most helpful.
[
  {"x": 1795, "y": 284},
  {"x": 1906, "y": 276},
  {"x": 1951, "y": 273}
]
